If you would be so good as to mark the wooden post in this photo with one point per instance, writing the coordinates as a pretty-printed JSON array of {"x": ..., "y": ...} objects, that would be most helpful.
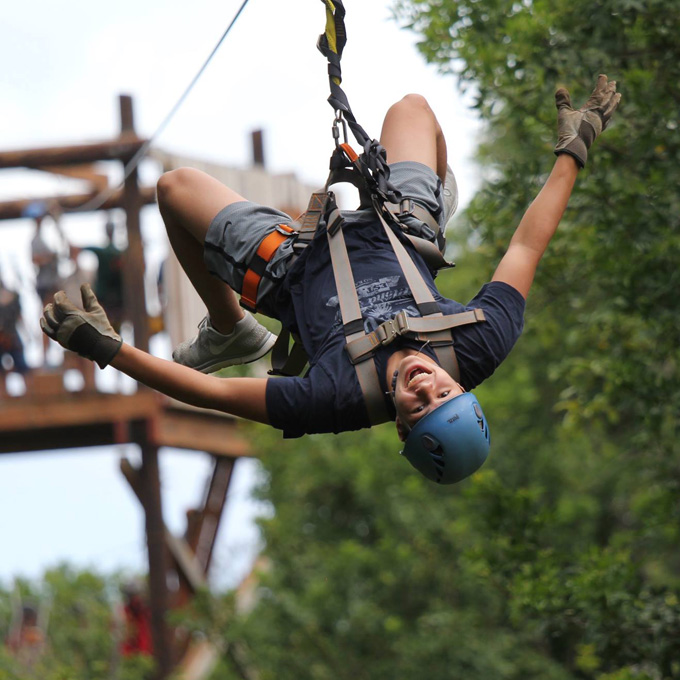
[
  {"x": 133, "y": 274},
  {"x": 258, "y": 148},
  {"x": 158, "y": 570},
  {"x": 201, "y": 533}
]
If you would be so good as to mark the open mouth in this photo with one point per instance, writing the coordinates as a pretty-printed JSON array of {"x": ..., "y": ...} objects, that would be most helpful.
[{"x": 414, "y": 374}]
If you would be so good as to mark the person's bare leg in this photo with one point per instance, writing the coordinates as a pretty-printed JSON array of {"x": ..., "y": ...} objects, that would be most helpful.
[
  {"x": 188, "y": 200},
  {"x": 411, "y": 132}
]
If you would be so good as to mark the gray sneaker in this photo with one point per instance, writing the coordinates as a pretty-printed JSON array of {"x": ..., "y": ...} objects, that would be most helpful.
[
  {"x": 210, "y": 350},
  {"x": 450, "y": 195}
]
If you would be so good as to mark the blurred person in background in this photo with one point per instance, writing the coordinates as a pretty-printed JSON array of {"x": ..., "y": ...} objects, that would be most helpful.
[
  {"x": 27, "y": 635},
  {"x": 45, "y": 258},
  {"x": 108, "y": 283},
  {"x": 11, "y": 346},
  {"x": 137, "y": 621}
]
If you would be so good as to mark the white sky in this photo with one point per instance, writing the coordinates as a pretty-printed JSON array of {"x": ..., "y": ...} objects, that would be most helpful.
[{"x": 64, "y": 65}]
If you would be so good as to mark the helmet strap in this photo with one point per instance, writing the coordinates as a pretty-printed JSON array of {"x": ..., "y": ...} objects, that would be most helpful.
[{"x": 393, "y": 387}]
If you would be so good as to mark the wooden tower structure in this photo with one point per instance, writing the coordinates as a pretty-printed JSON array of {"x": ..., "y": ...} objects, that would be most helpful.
[{"x": 49, "y": 417}]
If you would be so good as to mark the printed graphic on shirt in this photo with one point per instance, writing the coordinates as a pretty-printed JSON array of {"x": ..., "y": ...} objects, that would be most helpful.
[{"x": 379, "y": 300}]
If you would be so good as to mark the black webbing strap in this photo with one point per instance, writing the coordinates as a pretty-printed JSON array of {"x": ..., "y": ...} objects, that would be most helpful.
[
  {"x": 430, "y": 241},
  {"x": 371, "y": 166},
  {"x": 331, "y": 43},
  {"x": 346, "y": 166},
  {"x": 408, "y": 207},
  {"x": 430, "y": 253},
  {"x": 287, "y": 360},
  {"x": 373, "y": 161}
]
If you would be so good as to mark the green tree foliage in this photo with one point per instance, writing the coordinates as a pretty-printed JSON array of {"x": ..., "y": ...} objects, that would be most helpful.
[
  {"x": 372, "y": 572},
  {"x": 602, "y": 323},
  {"x": 76, "y": 611},
  {"x": 560, "y": 558}
]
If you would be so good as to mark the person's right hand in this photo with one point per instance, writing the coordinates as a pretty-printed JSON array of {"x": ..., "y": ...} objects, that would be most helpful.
[
  {"x": 86, "y": 331},
  {"x": 577, "y": 129}
]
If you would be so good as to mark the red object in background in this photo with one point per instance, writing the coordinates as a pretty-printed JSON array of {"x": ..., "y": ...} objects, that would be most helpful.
[{"x": 137, "y": 638}]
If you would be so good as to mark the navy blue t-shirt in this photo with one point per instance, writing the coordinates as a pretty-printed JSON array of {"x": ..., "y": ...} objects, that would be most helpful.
[{"x": 328, "y": 398}]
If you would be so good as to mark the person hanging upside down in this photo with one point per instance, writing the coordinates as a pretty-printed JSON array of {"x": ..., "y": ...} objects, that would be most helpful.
[{"x": 216, "y": 233}]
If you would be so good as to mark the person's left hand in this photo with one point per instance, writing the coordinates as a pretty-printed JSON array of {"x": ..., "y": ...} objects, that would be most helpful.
[{"x": 86, "y": 331}]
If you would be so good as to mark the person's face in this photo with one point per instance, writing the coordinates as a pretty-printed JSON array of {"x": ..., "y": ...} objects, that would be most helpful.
[{"x": 422, "y": 386}]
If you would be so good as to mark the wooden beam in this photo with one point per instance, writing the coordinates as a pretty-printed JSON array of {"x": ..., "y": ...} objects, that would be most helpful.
[
  {"x": 121, "y": 149},
  {"x": 186, "y": 561},
  {"x": 85, "y": 172},
  {"x": 202, "y": 530},
  {"x": 72, "y": 409},
  {"x": 56, "y": 438},
  {"x": 34, "y": 423},
  {"x": 200, "y": 430},
  {"x": 13, "y": 210}
]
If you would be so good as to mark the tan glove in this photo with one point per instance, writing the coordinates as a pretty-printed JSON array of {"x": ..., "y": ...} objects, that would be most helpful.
[
  {"x": 577, "y": 130},
  {"x": 88, "y": 332}
]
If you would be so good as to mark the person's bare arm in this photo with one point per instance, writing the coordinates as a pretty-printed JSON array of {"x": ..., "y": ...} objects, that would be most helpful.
[
  {"x": 88, "y": 332},
  {"x": 537, "y": 227},
  {"x": 243, "y": 397},
  {"x": 577, "y": 129}
]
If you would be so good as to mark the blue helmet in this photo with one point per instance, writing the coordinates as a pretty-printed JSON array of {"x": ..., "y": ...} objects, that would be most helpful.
[{"x": 451, "y": 442}]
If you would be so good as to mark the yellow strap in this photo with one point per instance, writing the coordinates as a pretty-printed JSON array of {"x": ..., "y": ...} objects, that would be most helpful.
[
  {"x": 331, "y": 35},
  {"x": 330, "y": 26}
]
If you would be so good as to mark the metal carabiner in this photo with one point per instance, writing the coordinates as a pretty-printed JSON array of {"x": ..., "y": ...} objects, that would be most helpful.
[{"x": 336, "y": 131}]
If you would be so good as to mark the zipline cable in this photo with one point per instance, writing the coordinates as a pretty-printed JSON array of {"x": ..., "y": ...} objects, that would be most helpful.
[{"x": 97, "y": 201}]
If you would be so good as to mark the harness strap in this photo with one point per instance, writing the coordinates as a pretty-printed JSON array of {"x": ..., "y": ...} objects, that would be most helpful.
[
  {"x": 407, "y": 207},
  {"x": 442, "y": 341},
  {"x": 430, "y": 253},
  {"x": 344, "y": 282},
  {"x": 353, "y": 325},
  {"x": 372, "y": 163},
  {"x": 403, "y": 325},
  {"x": 347, "y": 166},
  {"x": 286, "y": 360},
  {"x": 265, "y": 251},
  {"x": 309, "y": 220}
]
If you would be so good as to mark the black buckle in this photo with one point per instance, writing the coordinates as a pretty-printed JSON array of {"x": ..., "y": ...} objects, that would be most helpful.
[
  {"x": 335, "y": 223},
  {"x": 410, "y": 207},
  {"x": 389, "y": 330}
]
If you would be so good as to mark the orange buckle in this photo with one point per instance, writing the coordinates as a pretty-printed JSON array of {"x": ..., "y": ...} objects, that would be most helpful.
[
  {"x": 350, "y": 152},
  {"x": 265, "y": 251}
]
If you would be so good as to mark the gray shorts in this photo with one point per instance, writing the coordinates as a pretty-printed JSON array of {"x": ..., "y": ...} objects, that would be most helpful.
[
  {"x": 237, "y": 231},
  {"x": 422, "y": 185}
]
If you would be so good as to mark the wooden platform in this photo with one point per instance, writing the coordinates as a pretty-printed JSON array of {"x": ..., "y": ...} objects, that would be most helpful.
[{"x": 77, "y": 419}]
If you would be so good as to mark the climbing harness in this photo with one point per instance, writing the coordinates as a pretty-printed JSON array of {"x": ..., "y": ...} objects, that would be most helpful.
[{"x": 370, "y": 174}]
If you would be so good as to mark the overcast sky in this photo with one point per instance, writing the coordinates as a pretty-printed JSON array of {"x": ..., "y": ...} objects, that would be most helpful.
[{"x": 64, "y": 65}]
